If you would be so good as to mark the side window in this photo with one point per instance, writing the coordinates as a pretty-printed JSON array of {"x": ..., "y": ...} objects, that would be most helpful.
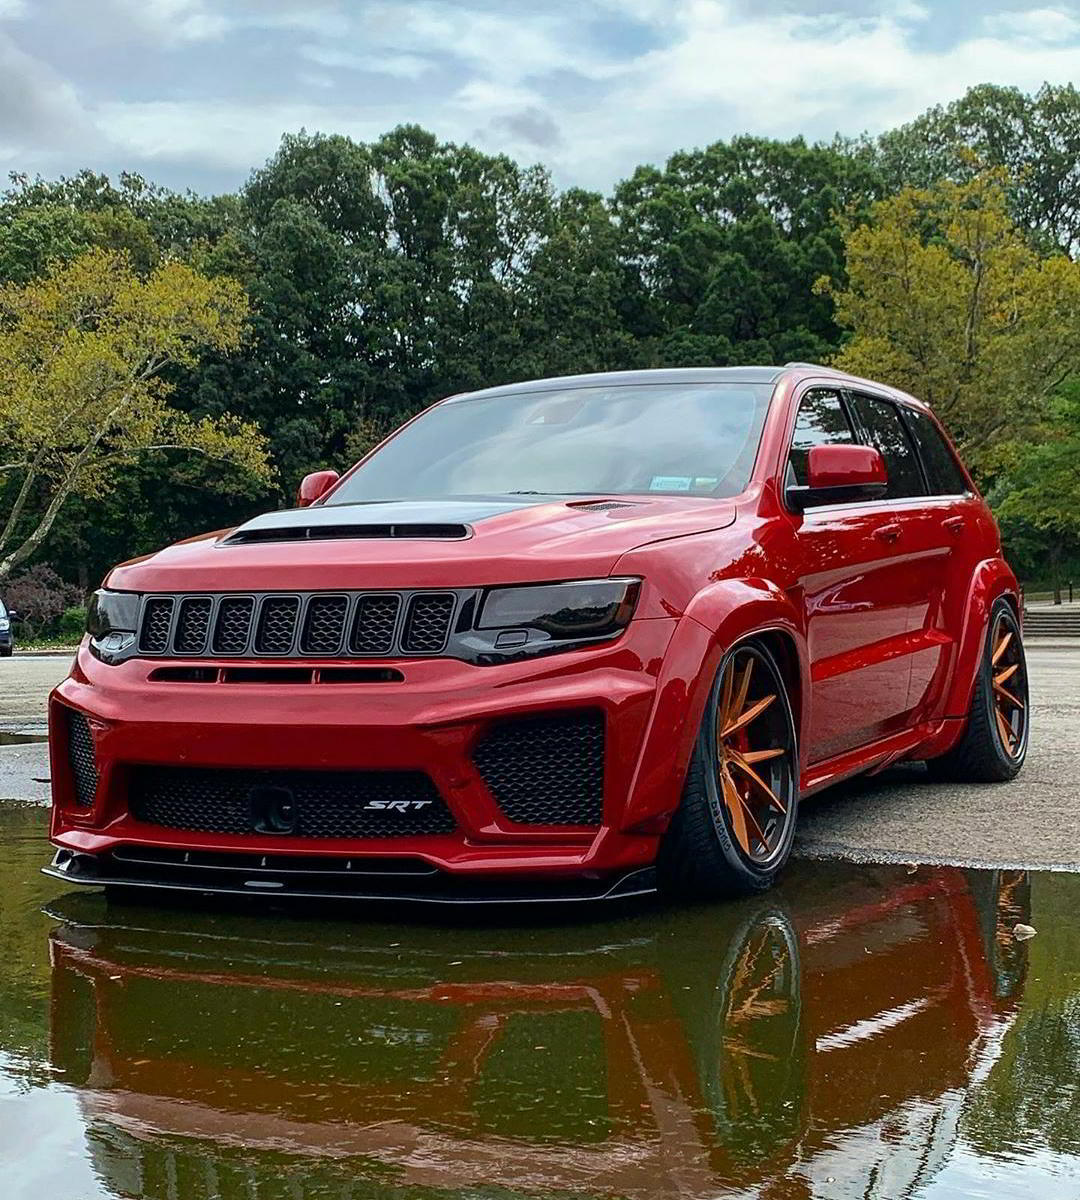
[
  {"x": 946, "y": 478},
  {"x": 821, "y": 422},
  {"x": 883, "y": 423}
]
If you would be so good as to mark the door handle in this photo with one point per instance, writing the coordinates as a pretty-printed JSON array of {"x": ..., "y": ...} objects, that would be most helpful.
[
  {"x": 887, "y": 533},
  {"x": 954, "y": 524}
]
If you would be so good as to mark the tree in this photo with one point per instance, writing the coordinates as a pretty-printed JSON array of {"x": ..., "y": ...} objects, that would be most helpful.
[
  {"x": 722, "y": 247},
  {"x": 1036, "y": 500},
  {"x": 83, "y": 356},
  {"x": 947, "y": 300},
  {"x": 1035, "y": 139}
]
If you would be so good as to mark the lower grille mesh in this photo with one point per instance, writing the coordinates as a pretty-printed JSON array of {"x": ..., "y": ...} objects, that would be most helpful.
[
  {"x": 81, "y": 757},
  {"x": 321, "y": 804},
  {"x": 546, "y": 770}
]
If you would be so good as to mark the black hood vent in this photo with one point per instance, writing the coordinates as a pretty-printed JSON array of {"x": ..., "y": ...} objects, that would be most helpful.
[{"x": 323, "y": 533}]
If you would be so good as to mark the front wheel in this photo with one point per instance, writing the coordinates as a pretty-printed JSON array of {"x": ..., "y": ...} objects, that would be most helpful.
[
  {"x": 995, "y": 740},
  {"x": 735, "y": 824}
]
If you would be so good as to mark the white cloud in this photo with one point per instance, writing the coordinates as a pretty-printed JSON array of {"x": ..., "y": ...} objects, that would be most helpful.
[
  {"x": 172, "y": 22},
  {"x": 404, "y": 66},
  {"x": 12, "y": 9},
  {"x": 1051, "y": 25}
]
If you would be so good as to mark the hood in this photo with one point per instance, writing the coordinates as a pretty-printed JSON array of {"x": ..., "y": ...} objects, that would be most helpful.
[{"x": 423, "y": 544}]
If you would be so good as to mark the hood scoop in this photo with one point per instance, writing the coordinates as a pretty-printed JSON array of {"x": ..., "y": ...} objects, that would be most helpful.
[
  {"x": 325, "y": 533},
  {"x": 600, "y": 505}
]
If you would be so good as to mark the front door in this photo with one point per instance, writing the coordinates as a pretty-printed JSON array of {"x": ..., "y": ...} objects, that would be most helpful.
[{"x": 861, "y": 580}]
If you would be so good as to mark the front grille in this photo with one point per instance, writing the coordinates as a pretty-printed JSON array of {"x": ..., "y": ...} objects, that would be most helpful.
[
  {"x": 306, "y": 804},
  {"x": 546, "y": 770},
  {"x": 81, "y": 758},
  {"x": 319, "y": 624}
]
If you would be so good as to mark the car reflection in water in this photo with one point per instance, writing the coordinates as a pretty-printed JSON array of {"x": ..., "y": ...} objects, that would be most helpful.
[{"x": 682, "y": 1053}]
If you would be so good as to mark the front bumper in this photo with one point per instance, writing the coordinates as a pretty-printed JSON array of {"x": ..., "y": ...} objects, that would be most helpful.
[{"x": 430, "y": 722}]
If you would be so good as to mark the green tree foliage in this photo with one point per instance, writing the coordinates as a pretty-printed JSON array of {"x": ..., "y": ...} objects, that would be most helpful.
[
  {"x": 724, "y": 245},
  {"x": 83, "y": 352},
  {"x": 1034, "y": 138},
  {"x": 947, "y": 300},
  {"x": 1036, "y": 500}
]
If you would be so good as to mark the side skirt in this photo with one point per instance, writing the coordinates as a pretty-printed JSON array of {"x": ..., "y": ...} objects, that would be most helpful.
[{"x": 869, "y": 759}]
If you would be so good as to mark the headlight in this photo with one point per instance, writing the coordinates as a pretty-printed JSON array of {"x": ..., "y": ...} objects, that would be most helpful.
[
  {"x": 112, "y": 620},
  {"x": 553, "y": 616},
  {"x": 5, "y": 624}
]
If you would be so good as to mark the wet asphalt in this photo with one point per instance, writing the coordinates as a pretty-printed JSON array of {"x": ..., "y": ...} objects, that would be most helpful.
[{"x": 899, "y": 816}]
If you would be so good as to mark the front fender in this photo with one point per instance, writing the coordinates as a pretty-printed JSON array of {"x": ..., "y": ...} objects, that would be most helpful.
[
  {"x": 991, "y": 579},
  {"x": 718, "y": 616}
]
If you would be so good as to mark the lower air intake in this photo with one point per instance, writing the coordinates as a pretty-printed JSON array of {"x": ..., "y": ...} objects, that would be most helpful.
[
  {"x": 81, "y": 757},
  {"x": 546, "y": 770},
  {"x": 305, "y": 804}
]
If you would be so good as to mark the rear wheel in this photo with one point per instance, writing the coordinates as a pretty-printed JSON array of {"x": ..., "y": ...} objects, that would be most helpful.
[
  {"x": 735, "y": 823},
  {"x": 995, "y": 740}
]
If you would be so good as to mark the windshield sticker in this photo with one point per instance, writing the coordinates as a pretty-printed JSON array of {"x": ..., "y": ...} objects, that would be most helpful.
[
  {"x": 706, "y": 483},
  {"x": 670, "y": 483}
]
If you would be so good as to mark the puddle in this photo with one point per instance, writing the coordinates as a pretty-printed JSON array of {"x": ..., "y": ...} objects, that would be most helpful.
[
  {"x": 21, "y": 739},
  {"x": 860, "y": 1032}
]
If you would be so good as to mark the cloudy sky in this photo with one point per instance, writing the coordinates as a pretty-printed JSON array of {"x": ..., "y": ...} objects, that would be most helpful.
[{"x": 194, "y": 93}]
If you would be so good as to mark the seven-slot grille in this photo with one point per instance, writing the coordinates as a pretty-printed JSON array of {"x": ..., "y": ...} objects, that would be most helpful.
[{"x": 318, "y": 624}]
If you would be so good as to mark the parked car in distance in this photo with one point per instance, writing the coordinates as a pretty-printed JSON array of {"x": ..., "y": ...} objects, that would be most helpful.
[
  {"x": 7, "y": 631},
  {"x": 571, "y": 638}
]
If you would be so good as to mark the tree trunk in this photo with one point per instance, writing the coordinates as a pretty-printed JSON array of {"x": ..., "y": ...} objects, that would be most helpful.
[{"x": 1055, "y": 570}]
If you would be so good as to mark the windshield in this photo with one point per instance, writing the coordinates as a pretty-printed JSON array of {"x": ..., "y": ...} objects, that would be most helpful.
[
  {"x": 698, "y": 438},
  {"x": 3, "y": 610}
]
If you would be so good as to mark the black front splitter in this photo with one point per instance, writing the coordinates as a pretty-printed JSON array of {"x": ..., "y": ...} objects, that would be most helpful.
[{"x": 429, "y": 887}]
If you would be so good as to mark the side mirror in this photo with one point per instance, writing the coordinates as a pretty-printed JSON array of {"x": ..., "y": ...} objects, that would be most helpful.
[
  {"x": 14, "y": 614},
  {"x": 840, "y": 475},
  {"x": 314, "y": 486}
]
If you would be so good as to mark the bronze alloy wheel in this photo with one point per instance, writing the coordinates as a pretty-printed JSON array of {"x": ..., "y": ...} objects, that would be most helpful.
[
  {"x": 755, "y": 756},
  {"x": 1009, "y": 684}
]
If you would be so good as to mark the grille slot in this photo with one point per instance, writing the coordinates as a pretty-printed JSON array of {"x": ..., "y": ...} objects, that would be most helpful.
[
  {"x": 546, "y": 770},
  {"x": 233, "y": 626},
  {"x": 324, "y": 804},
  {"x": 156, "y": 623},
  {"x": 193, "y": 624},
  {"x": 374, "y": 623},
  {"x": 427, "y": 623},
  {"x": 277, "y": 625},
  {"x": 82, "y": 759},
  {"x": 324, "y": 624}
]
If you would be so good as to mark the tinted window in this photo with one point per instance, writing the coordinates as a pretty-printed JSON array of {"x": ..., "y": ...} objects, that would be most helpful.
[
  {"x": 886, "y": 431},
  {"x": 946, "y": 478},
  {"x": 821, "y": 422},
  {"x": 3, "y": 610},
  {"x": 674, "y": 438}
]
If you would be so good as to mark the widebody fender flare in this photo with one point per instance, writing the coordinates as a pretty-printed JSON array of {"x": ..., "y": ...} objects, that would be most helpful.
[
  {"x": 990, "y": 580},
  {"x": 720, "y": 615}
]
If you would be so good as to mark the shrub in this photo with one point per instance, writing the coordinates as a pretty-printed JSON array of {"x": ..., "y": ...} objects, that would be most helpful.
[
  {"x": 41, "y": 598},
  {"x": 72, "y": 624}
]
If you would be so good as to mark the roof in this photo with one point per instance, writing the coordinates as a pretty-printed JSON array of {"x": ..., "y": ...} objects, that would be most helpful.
[{"x": 633, "y": 378}]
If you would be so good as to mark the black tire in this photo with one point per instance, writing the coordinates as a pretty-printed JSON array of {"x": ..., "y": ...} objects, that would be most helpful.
[
  {"x": 981, "y": 755},
  {"x": 700, "y": 857},
  {"x": 7, "y": 652}
]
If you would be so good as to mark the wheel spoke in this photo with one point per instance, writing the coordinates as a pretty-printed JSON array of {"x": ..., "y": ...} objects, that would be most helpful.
[
  {"x": 735, "y": 807},
  {"x": 751, "y": 714},
  {"x": 739, "y": 761},
  {"x": 1006, "y": 695},
  {"x": 1004, "y": 730},
  {"x": 753, "y": 756},
  {"x": 1007, "y": 674},
  {"x": 725, "y": 701},
  {"x": 744, "y": 689},
  {"x": 1000, "y": 648}
]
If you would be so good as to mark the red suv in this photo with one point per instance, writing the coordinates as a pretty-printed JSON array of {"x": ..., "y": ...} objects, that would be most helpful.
[{"x": 572, "y": 638}]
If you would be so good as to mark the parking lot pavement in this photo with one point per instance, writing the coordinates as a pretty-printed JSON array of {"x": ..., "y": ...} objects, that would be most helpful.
[{"x": 899, "y": 816}]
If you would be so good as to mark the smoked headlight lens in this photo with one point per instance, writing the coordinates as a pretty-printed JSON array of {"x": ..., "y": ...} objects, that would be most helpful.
[
  {"x": 112, "y": 612},
  {"x": 584, "y": 609}
]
